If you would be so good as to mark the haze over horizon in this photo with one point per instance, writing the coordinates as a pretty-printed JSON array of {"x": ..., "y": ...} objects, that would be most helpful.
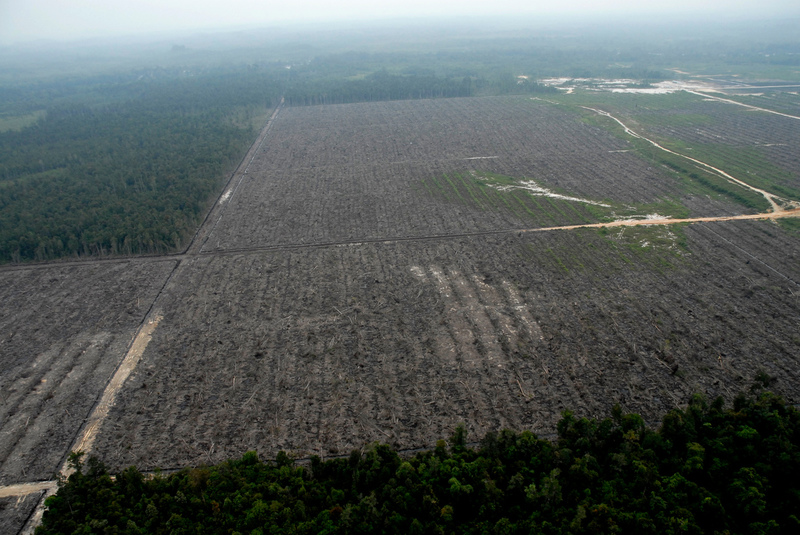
[{"x": 25, "y": 21}]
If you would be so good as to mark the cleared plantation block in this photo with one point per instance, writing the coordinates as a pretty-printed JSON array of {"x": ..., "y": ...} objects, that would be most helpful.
[
  {"x": 63, "y": 331},
  {"x": 365, "y": 171},
  {"x": 352, "y": 286},
  {"x": 321, "y": 350}
]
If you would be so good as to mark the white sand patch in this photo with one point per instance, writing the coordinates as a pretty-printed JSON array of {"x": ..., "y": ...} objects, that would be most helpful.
[
  {"x": 557, "y": 81},
  {"x": 627, "y": 85},
  {"x": 535, "y": 189},
  {"x": 647, "y": 217},
  {"x": 418, "y": 273},
  {"x": 660, "y": 88}
]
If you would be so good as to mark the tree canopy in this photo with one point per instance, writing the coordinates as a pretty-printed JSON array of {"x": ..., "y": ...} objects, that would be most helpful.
[{"x": 707, "y": 469}]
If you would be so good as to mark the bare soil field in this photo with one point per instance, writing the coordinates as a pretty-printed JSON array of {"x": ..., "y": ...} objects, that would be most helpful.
[
  {"x": 63, "y": 330},
  {"x": 320, "y": 351}
]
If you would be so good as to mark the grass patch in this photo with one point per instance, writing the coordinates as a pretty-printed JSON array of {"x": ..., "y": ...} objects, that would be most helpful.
[
  {"x": 483, "y": 191},
  {"x": 790, "y": 224},
  {"x": 748, "y": 164},
  {"x": 18, "y": 122},
  {"x": 694, "y": 178},
  {"x": 659, "y": 246}
]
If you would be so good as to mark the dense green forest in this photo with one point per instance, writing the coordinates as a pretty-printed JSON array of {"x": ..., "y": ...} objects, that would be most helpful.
[
  {"x": 124, "y": 165},
  {"x": 707, "y": 469}
]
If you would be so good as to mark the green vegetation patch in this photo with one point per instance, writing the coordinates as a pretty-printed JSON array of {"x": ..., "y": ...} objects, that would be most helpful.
[
  {"x": 523, "y": 198},
  {"x": 126, "y": 167},
  {"x": 790, "y": 224},
  {"x": 748, "y": 164},
  {"x": 707, "y": 469},
  {"x": 18, "y": 122},
  {"x": 694, "y": 177},
  {"x": 659, "y": 246}
]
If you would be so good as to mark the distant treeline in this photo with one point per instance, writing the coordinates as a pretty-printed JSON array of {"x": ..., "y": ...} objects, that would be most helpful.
[
  {"x": 707, "y": 469},
  {"x": 382, "y": 85},
  {"x": 125, "y": 167}
]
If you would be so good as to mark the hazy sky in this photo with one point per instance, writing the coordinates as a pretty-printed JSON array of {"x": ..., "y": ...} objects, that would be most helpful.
[{"x": 29, "y": 20}]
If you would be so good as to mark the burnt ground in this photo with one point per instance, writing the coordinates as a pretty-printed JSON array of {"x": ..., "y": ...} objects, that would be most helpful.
[{"x": 281, "y": 329}]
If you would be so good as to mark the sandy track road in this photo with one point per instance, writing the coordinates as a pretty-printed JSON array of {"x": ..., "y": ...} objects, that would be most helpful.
[
  {"x": 780, "y": 214},
  {"x": 217, "y": 211},
  {"x": 87, "y": 437}
]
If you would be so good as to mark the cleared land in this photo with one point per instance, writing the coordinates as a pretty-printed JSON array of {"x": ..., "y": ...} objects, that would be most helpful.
[
  {"x": 412, "y": 169},
  {"x": 322, "y": 343},
  {"x": 399, "y": 343},
  {"x": 64, "y": 330},
  {"x": 335, "y": 298}
]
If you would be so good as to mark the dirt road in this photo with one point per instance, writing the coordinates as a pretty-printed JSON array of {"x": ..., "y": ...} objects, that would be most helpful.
[{"x": 773, "y": 200}]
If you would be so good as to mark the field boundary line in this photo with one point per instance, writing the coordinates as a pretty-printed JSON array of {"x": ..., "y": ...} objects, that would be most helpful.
[
  {"x": 179, "y": 257},
  {"x": 86, "y": 439},
  {"x": 87, "y": 432},
  {"x": 66, "y": 263},
  {"x": 795, "y": 212}
]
